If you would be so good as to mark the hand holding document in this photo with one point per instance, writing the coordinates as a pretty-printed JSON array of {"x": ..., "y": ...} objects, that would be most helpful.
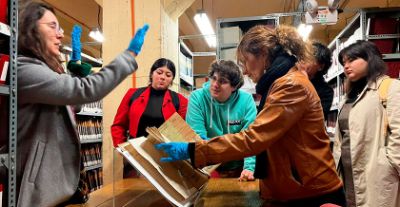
[
  {"x": 175, "y": 150},
  {"x": 178, "y": 181}
]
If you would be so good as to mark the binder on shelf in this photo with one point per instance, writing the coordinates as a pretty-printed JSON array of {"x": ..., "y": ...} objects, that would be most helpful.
[
  {"x": 4, "y": 61},
  {"x": 383, "y": 26},
  {"x": 4, "y": 11},
  {"x": 178, "y": 182},
  {"x": 90, "y": 130},
  {"x": 393, "y": 69}
]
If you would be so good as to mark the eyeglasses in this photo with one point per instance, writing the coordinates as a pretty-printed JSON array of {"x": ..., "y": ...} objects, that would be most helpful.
[
  {"x": 55, "y": 27},
  {"x": 220, "y": 81}
]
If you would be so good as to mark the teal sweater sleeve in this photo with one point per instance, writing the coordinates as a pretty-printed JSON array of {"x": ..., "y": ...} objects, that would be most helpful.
[
  {"x": 195, "y": 116},
  {"x": 250, "y": 162}
]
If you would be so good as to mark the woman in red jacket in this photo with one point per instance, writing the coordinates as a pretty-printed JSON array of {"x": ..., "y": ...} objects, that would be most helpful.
[{"x": 147, "y": 107}]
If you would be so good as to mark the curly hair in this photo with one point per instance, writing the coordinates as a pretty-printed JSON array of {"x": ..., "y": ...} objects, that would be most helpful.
[
  {"x": 264, "y": 40},
  {"x": 229, "y": 70}
]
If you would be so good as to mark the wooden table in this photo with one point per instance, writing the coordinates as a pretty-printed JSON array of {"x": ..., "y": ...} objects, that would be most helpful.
[{"x": 139, "y": 192}]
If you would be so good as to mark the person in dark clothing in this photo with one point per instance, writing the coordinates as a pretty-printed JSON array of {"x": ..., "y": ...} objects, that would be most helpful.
[
  {"x": 323, "y": 57},
  {"x": 316, "y": 71}
]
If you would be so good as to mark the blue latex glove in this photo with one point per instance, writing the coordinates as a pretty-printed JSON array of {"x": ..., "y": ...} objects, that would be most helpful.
[
  {"x": 175, "y": 150},
  {"x": 204, "y": 137},
  {"x": 76, "y": 43},
  {"x": 137, "y": 41}
]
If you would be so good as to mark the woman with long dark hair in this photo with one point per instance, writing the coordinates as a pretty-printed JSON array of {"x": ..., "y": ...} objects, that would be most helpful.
[
  {"x": 48, "y": 155},
  {"x": 367, "y": 145},
  {"x": 146, "y": 107}
]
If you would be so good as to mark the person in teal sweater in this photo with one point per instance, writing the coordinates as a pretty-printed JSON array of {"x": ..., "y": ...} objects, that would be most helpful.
[{"x": 221, "y": 108}]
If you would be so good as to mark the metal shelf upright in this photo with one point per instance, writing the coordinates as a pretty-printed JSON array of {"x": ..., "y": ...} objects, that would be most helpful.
[
  {"x": 12, "y": 154},
  {"x": 10, "y": 159}
]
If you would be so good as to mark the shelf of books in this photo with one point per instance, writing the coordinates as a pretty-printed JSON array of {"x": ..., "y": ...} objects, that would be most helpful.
[{"x": 89, "y": 122}]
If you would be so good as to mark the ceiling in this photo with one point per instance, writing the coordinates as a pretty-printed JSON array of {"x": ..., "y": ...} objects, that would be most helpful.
[
  {"x": 89, "y": 15},
  {"x": 244, "y": 8}
]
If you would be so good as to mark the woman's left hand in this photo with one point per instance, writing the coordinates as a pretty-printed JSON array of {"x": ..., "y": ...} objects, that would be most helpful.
[
  {"x": 246, "y": 175},
  {"x": 175, "y": 150}
]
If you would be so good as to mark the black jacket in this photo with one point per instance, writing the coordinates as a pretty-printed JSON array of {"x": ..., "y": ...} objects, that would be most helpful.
[{"x": 325, "y": 93}]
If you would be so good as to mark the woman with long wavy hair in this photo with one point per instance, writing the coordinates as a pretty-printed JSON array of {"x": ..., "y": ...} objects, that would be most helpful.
[
  {"x": 293, "y": 158},
  {"x": 48, "y": 155}
]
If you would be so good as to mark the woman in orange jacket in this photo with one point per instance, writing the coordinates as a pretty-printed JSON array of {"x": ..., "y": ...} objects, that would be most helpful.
[{"x": 293, "y": 161}]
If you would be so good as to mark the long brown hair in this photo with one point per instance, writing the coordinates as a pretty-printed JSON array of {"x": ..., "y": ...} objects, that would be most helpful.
[
  {"x": 30, "y": 42},
  {"x": 369, "y": 52},
  {"x": 264, "y": 40}
]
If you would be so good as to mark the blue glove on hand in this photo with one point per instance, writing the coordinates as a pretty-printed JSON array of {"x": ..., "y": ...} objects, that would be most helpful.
[
  {"x": 76, "y": 43},
  {"x": 204, "y": 137},
  {"x": 175, "y": 150},
  {"x": 137, "y": 41}
]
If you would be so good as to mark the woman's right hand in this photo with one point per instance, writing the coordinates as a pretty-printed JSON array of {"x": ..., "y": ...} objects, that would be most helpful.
[{"x": 135, "y": 46}]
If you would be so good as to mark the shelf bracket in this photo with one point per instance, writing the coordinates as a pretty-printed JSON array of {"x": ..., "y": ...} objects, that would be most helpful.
[{"x": 3, "y": 160}]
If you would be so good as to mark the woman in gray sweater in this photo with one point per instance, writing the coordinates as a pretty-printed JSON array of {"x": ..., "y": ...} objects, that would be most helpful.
[{"x": 48, "y": 146}]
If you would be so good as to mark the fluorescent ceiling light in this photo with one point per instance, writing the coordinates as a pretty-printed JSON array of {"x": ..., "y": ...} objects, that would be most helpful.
[
  {"x": 96, "y": 35},
  {"x": 304, "y": 30},
  {"x": 204, "y": 25}
]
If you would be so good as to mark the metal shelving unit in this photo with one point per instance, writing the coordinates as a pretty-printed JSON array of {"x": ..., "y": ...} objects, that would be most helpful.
[
  {"x": 4, "y": 90},
  {"x": 90, "y": 111},
  {"x": 223, "y": 43},
  {"x": 358, "y": 29},
  {"x": 87, "y": 112},
  {"x": 360, "y": 21},
  {"x": 9, "y": 159},
  {"x": 186, "y": 62},
  {"x": 86, "y": 58},
  {"x": 230, "y": 30}
]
